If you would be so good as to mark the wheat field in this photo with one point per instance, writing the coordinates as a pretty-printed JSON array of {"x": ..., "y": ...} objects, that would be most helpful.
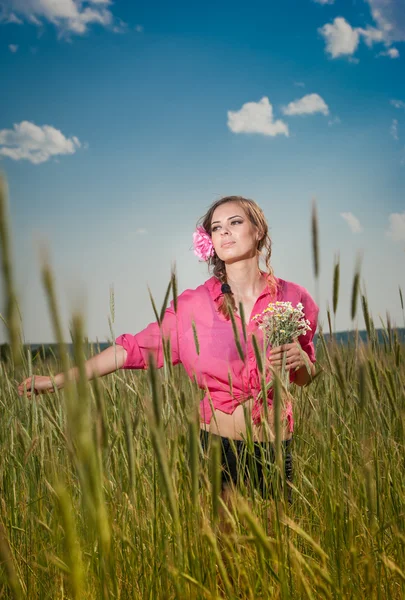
[{"x": 105, "y": 493}]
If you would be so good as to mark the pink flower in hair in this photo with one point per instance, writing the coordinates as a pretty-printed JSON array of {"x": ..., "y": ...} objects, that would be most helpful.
[{"x": 203, "y": 247}]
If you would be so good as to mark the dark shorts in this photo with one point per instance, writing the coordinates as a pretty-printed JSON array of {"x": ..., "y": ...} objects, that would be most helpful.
[{"x": 255, "y": 465}]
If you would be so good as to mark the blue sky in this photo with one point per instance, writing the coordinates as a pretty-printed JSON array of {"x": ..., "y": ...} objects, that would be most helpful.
[{"x": 121, "y": 123}]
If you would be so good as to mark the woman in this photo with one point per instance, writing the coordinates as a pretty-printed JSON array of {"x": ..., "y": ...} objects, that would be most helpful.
[{"x": 233, "y": 236}]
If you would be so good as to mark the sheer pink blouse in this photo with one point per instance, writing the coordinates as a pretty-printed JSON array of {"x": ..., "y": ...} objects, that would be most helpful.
[{"x": 217, "y": 367}]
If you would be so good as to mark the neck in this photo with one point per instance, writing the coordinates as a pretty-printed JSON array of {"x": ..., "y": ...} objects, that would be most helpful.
[{"x": 245, "y": 278}]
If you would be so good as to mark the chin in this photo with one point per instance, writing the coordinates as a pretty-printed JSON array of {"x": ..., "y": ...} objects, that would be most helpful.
[
  {"x": 234, "y": 256},
  {"x": 230, "y": 259},
  {"x": 228, "y": 255}
]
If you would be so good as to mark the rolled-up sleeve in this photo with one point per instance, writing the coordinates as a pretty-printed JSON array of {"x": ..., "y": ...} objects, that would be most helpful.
[
  {"x": 311, "y": 311},
  {"x": 150, "y": 341}
]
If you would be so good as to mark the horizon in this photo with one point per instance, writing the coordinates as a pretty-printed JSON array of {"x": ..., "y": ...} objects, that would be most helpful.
[{"x": 361, "y": 332}]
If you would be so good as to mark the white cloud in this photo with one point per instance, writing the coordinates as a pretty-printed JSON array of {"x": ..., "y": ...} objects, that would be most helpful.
[
  {"x": 32, "y": 19},
  {"x": 12, "y": 18},
  {"x": 352, "y": 221},
  {"x": 391, "y": 52},
  {"x": 307, "y": 105},
  {"x": 324, "y": 1},
  {"x": 341, "y": 39},
  {"x": 299, "y": 83},
  {"x": 13, "y": 48},
  {"x": 256, "y": 117},
  {"x": 396, "y": 229},
  {"x": 371, "y": 35},
  {"x": 141, "y": 231},
  {"x": 139, "y": 28},
  {"x": 334, "y": 121},
  {"x": 394, "y": 129},
  {"x": 390, "y": 18},
  {"x": 120, "y": 26},
  {"x": 398, "y": 103},
  {"x": 68, "y": 16},
  {"x": 36, "y": 144}
]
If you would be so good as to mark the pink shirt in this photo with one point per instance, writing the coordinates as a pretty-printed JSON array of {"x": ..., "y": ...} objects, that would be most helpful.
[{"x": 218, "y": 360}]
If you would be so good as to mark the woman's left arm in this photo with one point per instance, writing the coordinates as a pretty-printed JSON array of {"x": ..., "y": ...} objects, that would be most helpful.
[
  {"x": 303, "y": 375},
  {"x": 300, "y": 355},
  {"x": 305, "y": 370}
]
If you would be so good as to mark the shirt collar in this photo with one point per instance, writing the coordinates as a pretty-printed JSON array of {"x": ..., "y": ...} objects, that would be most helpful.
[{"x": 213, "y": 285}]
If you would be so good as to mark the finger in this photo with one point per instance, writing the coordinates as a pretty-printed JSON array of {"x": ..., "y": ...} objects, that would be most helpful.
[
  {"x": 287, "y": 358},
  {"x": 275, "y": 350},
  {"x": 26, "y": 382},
  {"x": 283, "y": 356},
  {"x": 286, "y": 347},
  {"x": 293, "y": 359},
  {"x": 293, "y": 366},
  {"x": 22, "y": 388},
  {"x": 287, "y": 367},
  {"x": 277, "y": 353}
]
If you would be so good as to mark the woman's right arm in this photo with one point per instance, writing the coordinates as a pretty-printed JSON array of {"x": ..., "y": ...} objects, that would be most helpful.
[
  {"x": 130, "y": 352},
  {"x": 106, "y": 362}
]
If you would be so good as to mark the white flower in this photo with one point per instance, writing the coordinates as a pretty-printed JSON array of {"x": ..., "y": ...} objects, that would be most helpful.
[{"x": 282, "y": 323}]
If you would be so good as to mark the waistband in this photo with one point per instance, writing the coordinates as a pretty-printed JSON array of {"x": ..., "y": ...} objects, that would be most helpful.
[{"x": 226, "y": 441}]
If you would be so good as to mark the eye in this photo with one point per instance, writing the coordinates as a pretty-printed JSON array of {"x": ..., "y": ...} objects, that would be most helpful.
[{"x": 234, "y": 222}]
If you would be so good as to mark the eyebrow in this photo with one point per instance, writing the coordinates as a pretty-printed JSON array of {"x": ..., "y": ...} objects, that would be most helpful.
[{"x": 229, "y": 218}]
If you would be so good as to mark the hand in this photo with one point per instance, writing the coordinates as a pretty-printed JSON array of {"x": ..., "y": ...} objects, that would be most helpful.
[
  {"x": 39, "y": 384},
  {"x": 294, "y": 359}
]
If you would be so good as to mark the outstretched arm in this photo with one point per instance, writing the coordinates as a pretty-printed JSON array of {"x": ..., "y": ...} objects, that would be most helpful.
[
  {"x": 107, "y": 361},
  {"x": 130, "y": 352}
]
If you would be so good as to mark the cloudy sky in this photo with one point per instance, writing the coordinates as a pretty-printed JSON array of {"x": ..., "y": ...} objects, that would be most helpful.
[{"x": 121, "y": 122}]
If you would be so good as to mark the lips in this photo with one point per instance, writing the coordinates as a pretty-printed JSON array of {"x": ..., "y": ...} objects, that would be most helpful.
[{"x": 227, "y": 244}]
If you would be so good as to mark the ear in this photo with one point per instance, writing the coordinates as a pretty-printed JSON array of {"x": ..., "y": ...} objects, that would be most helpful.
[{"x": 259, "y": 235}]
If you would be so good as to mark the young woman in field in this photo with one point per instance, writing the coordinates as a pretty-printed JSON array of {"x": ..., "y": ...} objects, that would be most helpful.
[{"x": 233, "y": 237}]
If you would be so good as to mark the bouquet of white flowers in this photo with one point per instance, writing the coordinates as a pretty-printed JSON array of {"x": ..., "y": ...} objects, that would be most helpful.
[{"x": 281, "y": 323}]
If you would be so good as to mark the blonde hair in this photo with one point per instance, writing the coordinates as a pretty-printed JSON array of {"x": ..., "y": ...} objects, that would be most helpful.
[{"x": 257, "y": 218}]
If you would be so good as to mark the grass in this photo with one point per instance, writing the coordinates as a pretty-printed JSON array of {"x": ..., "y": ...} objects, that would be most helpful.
[{"x": 104, "y": 492}]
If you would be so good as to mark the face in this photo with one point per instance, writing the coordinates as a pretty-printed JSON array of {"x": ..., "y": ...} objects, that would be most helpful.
[{"x": 233, "y": 234}]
